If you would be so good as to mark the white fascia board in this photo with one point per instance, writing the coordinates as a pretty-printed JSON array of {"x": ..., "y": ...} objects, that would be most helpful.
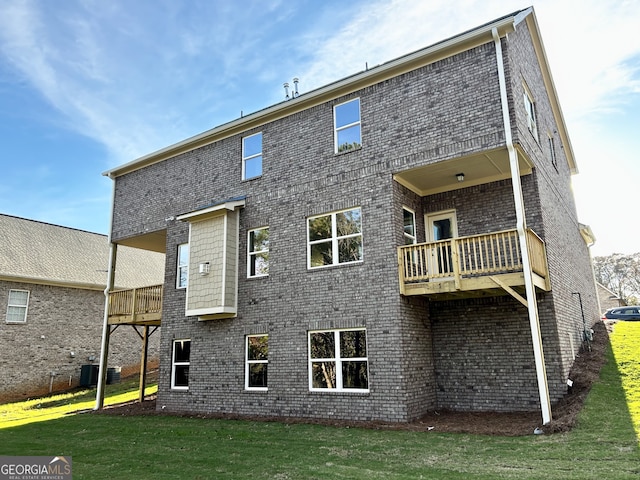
[{"x": 212, "y": 211}]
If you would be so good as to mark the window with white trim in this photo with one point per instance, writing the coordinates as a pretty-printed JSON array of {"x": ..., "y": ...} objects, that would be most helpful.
[
  {"x": 334, "y": 238},
  {"x": 258, "y": 252},
  {"x": 346, "y": 118},
  {"x": 338, "y": 360},
  {"x": 252, "y": 156},
  {"x": 257, "y": 362},
  {"x": 530, "y": 109},
  {"x": 180, "y": 362},
  {"x": 182, "y": 266},
  {"x": 17, "y": 306},
  {"x": 409, "y": 218}
]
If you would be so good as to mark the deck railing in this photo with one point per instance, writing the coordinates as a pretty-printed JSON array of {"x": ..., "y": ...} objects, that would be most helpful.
[
  {"x": 477, "y": 255},
  {"x": 136, "y": 301}
]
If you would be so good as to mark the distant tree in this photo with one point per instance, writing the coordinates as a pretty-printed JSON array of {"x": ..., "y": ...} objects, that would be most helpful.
[{"x": 620, "y": 273}]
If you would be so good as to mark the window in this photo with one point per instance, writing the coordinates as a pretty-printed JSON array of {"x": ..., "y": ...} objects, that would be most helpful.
[
  {"x": 180, "y": 364},
  {"x": 338, "y": 360},
  {"x": 17, "y": 306},
  {"x": 252, "y": 156},
  {"x": 257, "y": 362},
  {"x": 335, "y": 238},
  {"x": 409, "y": 226},
  {"x": 346, "y": 117},
  {"x": 552, "y": 152},
  {"x": 258, "y": 254},
  {"x": 531, "y": 113},
  {"x": 183, "y": 266}
]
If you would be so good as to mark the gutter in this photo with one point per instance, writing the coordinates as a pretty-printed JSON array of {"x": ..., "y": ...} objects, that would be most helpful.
[{"x": 532, "y": 304}]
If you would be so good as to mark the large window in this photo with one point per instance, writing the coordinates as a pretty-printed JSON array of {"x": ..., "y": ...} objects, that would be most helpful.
[
  {"x": 252, "y": 156},
  {"x": 530, "y": 108},
  {"x": 338, "y": 360},
  {"x": 334, "y": 238},
  {"x": 180, "y": 362},
  {"x": 409, "y": 217},
  {"x": 257, "y": 362},
  {"x": 17, "y": 306},
  {"x": 258, "y": 252},
  {"x": 346, "y": 117},
  {"x": 183, "y": 266}
]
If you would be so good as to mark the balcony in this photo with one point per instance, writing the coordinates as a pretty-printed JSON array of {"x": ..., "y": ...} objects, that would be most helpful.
[
  {"x": 138, "y": 306},
  {"x": 475, "y": 266}
]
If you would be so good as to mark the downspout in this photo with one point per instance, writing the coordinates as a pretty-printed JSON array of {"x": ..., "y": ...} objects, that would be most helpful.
[
  {"x": 532, "y": 304},
  {"x": 104, "y": 349}
]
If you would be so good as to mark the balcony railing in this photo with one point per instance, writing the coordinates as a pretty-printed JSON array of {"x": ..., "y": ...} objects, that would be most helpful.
[
  {"x": 459, "y": 261},
  {"x": 136, "y": 306}
]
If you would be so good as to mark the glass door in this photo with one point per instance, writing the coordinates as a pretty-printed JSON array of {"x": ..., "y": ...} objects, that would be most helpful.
[{"x": 441, "y": 226}]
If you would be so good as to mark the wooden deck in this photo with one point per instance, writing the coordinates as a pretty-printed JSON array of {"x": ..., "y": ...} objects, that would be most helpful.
[
  {"x": 479, "y": 265},
  {"x": 138, "y": 306}
]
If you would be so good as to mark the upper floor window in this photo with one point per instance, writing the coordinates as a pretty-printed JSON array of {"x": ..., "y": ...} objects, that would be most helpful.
[
  {"x": 530, "y": 108},
  {"x": 180, "y": 362},
  {"x": 252, "y": 156},
  {"x": 334, "y": 238},
  {"x": 258, "y": 254},
  {"x": 183, "y": 266},
  {"x": 257, "y": 362},
  {"x": 409, "y": 217},
  {"x": 552, "y": 152},
  {"x": 346, "y": 118},
  {"x": 338, "y": 360},
  {"x": 17, "y": 306}
]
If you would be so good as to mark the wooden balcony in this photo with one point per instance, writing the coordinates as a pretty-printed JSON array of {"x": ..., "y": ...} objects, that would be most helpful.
[
  {"x": 479, "y": 265},
  {"x": 138, "y": 306}
]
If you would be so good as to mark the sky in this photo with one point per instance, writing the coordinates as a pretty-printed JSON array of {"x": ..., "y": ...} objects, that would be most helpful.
[{"x": 86, "y": 85}]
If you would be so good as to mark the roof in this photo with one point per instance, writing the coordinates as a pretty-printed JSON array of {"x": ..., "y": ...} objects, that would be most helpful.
[
  {"x": 385, "y": 71},
  {"x": 37, "y": 252}
]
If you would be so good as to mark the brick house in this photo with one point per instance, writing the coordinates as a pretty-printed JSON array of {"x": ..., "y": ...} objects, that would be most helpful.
[
  {"x": 52, "y": 282},
  {"x": 399, "y": 241}
]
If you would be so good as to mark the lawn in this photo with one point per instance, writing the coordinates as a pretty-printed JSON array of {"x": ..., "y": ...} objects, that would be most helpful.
[{"x": 603, "y": 445}]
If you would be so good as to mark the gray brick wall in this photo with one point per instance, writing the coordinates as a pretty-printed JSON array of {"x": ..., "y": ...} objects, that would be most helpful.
[
  {"x": 60, "y": 321},
  {"x": 422, "y": 354}
]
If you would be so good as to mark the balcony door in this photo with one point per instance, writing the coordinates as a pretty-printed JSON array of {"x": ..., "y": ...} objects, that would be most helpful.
[{"x": 441, "y": 226}]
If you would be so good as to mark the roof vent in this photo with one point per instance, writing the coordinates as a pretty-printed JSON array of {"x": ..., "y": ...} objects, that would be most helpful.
[{"x": 294, "y": 93}]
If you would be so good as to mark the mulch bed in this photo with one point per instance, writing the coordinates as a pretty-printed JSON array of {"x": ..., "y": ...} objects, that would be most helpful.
[{"x": 585, "y": 371}]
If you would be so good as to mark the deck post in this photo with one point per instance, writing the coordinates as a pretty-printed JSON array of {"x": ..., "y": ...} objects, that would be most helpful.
[
  {"x": 143, "y": 362},
  {"x": 106, "y": 328}
]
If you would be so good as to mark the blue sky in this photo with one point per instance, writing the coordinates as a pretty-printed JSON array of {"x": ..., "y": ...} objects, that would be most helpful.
[{"x": 86, "y": 85}]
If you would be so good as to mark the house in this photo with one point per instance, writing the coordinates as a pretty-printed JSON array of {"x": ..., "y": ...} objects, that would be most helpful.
[
  {"x": 608, "y": 298},
  {"x": 52, "y": 283},
  {"x": 399, "y": 241}
]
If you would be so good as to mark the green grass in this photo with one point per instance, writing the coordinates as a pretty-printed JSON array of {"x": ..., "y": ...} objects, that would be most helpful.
[{"x": 603, "y": 445}]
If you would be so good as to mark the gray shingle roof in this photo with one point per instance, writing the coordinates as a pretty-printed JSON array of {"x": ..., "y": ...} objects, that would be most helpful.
[{"x": 39, "y": 252}]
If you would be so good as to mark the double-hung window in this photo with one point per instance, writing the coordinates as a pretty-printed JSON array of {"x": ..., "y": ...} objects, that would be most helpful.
[
  {"x": 530, "y": 109},
  {"x": 252, "y": 156},
  {"x": 338, "y": 360},
  {"x": 257, "y": 362},
  {"x": 334, "y": 238},
  {"x": 17, "y": 306},
  {"x": 258, "y": 252},
  {"x": 346, "y": 117},
  {"x": 180, "y": 362},
  {"x": 409, "y": 217},
  {"x": 182, "y": 266}
]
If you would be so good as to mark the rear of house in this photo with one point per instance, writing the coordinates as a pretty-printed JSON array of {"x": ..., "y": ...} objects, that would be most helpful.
[{"x": 374, "y": 249}]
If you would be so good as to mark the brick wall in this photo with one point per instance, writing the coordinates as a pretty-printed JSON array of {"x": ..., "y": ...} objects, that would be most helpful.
[
  {"x": 60, "y": 321},
  {"x": 421, "y": 354}
]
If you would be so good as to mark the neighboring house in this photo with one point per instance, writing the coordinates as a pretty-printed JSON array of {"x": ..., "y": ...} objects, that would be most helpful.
[
  {"x": 52, "y": 282},
  {"x": 377, "y": 248},
  {"x": 608, "y": 298}
]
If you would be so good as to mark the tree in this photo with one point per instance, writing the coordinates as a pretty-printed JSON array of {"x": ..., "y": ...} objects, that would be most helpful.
[{"x": 620, "y": 273}]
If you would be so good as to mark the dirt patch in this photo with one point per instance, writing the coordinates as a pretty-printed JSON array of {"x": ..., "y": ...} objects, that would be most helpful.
[{"x": 585, "y": 371}]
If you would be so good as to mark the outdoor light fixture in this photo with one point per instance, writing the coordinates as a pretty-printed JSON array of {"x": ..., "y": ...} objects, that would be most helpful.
[{"x": 460, "y": 177}]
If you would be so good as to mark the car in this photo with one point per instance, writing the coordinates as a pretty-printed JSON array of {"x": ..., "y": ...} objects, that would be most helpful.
[{"x": 622, "y": 313}]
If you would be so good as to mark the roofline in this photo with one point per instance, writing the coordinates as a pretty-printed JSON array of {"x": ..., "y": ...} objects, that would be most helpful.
[
  {"x": 52, "y": 224},
  {"x": 353, "y": 83},
  {"x": 52, "y": 283}
]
